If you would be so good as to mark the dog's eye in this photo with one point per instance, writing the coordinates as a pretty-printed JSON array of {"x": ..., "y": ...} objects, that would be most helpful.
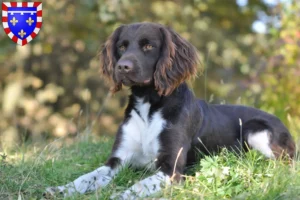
[
  {"x": 122, "y": 48},
  {"x": 147, "y": 47}
]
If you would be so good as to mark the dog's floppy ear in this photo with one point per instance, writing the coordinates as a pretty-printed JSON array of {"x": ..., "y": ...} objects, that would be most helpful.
[
  {"x": 177, "y": 63},
  {"x": 108, "y": 59}
]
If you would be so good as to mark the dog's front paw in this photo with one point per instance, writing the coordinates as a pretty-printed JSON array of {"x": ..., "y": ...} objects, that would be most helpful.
[
  {"x": 52, "y": 192},
  {"x": 117, "y": 196},
  {"x": 127, "y": 195}
]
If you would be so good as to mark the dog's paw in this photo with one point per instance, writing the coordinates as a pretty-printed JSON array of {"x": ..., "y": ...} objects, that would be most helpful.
[
  {"x": 116, "y": 197},
  {"x": 127, "y": 195},
  {"x": 52, "y": 192}
]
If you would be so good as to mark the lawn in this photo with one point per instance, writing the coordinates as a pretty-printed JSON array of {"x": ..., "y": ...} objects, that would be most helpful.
[{"x": 26, "y": 171}]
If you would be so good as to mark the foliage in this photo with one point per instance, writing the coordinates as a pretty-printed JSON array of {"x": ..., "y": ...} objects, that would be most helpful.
[
  {"x": 281, "y": 79},
  {"x": 229, "y": 176},
  {"x": 273, "y": 86}
]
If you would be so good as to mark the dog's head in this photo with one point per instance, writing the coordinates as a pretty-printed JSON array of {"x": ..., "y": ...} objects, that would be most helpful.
[{"x": 148, "y": 53}]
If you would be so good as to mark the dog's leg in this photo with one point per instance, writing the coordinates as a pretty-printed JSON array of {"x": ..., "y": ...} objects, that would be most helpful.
[
  {"x": 270, "y": 146},
  {"x": 145, "y": 187},
  {"x": 272, "y": 141},
  {"x": 261, "y": 142},
  {"x": 90, "y": 181}
]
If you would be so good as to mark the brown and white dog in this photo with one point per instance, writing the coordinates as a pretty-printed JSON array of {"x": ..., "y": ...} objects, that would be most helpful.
[{"x": 164, "y": 123}]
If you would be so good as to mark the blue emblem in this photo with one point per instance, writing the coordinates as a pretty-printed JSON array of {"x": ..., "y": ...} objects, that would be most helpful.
[{"x": 22, "y": 21}]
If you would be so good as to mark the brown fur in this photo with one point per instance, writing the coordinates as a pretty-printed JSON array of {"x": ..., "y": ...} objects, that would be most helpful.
[
  {"x": 109, "y": 60},
  {"x": 178, "y": 61}
]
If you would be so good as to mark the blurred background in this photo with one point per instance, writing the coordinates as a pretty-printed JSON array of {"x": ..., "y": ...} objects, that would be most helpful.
[{"x": 249, "y": 49}]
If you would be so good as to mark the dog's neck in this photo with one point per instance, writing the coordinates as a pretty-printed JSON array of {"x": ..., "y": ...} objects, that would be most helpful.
[
  {"x": 151, "y": 95},
  {"x": 147, "y": 92}
]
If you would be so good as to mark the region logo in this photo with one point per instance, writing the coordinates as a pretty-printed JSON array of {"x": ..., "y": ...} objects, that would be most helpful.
[{"x": 22, "y": 21}]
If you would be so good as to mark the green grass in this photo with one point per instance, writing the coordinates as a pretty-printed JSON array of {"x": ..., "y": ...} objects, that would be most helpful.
[{"x": 29, "y": 169}]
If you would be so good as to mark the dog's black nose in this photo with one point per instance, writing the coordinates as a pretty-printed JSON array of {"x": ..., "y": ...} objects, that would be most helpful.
[{"x": 125, "y": 66}]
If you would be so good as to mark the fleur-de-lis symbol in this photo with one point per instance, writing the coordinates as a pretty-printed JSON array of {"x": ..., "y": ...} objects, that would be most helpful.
[
  {"x": 14, "y": 21},
  {"x": 29, "y": 21},
  {"x": 22, "y": 33}
]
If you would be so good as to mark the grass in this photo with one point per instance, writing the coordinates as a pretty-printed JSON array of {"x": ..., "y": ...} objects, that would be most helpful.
[{"x": 29, "y": 169}]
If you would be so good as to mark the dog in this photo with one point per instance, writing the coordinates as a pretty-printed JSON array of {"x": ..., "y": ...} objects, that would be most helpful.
[{"x": 165, "y": 126}]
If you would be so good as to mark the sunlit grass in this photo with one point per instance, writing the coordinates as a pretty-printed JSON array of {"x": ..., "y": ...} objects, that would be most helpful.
[
  {"x": 27, "y": 171},
  {"x": 250, "y": 176}
]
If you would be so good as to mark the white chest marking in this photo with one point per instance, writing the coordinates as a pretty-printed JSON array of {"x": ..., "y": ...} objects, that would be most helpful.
[{"x": 140, "y": 142}]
